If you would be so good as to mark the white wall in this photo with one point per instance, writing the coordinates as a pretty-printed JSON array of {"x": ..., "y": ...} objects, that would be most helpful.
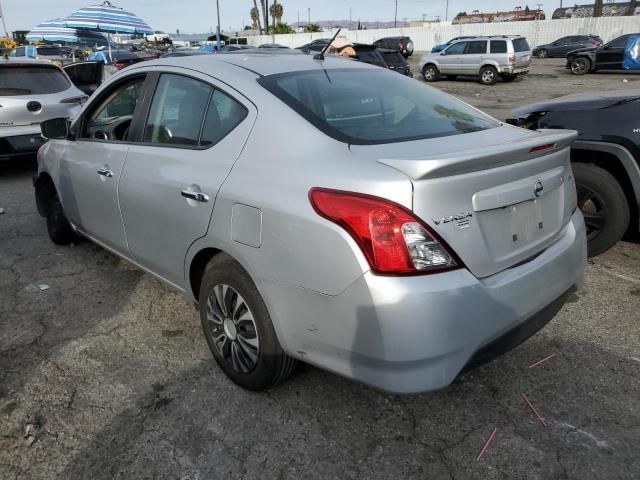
[{"x": 425, "y": 38}]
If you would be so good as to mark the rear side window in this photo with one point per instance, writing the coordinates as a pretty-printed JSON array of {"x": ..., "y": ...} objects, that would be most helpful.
[
  {"x": 224, "y": 115},
  {"x": 30, "y": 80},
  {"x": 366, "y": 106},
  {"x": 520, "y": 45},
  {"x": 498, "y": 46},
  {"x": 369, "y": 56},
  {"x": 393, "y": 58},
  {"x": 476, "y": 47}
]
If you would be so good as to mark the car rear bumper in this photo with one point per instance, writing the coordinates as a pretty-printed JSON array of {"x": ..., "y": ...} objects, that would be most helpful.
[
  {"x": 515, "y": 70},
  {"x": 24, "y": 144},
  {"x": 415, "y": 334}
]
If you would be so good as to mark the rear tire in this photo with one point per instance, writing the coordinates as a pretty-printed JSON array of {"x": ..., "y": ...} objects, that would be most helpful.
[
  {"x": 238, "y": 328},
  {"x": 604, "y": 206},
  {"x": 580, "y": 66},
  {"x": 488, "y": 75},
  {"x": 430, "y": 73},
  {"x": 58, "y": 227}
]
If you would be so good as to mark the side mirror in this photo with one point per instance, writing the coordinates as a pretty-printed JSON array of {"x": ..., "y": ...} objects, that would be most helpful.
[
  {"x": 55, "y": 129},
  {"x": 443, "y": 52}
]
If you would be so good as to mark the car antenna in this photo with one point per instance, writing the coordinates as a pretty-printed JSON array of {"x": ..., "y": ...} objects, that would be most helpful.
[{"x": 320, "y": 56}]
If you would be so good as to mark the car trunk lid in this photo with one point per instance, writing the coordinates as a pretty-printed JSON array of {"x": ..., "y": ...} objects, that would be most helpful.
[{"x": 495, "y": 204}]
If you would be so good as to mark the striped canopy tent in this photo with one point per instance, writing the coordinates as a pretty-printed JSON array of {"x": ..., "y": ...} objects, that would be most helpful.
[
  {"x": 55, "y": 31},
  {"x": 107, "y": 18}
]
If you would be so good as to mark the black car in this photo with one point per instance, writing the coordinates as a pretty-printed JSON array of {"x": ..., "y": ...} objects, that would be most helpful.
[
  {"x": 394, "y": 60},
  {"x": 605, "y": 157},
  {"x": 403, "y": 44},
  {"x": 315, "y": 45},
  {"x": 609, "y": 56},
  {"x": 273, "y": 45},
  {"x": 564, "y": 45}
]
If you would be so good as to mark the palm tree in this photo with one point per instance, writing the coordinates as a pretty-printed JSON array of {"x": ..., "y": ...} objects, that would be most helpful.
[
  {"x": 276, "y": 12},
  {"x": 255, "y": 17},
  {"x": 265, "y": 14}
]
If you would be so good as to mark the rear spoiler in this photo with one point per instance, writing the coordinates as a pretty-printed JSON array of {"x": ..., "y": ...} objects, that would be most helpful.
[{"x": 466, "y": 161}]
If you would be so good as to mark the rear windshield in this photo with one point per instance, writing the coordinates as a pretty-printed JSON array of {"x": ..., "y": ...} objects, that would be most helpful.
[
  {"x": 520, "y": 45},
  {"x": 393, "y": 58},
  {"x": 366, "y": 106},
  {"x": 31, "y": 80},
  {"x": 49, "y": 51}
]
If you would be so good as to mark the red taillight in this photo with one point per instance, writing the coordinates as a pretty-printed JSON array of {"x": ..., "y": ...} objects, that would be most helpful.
[
  {"x": 512, "y": 59},
  {"x": 539, "y": 148},
  {"x": 392, "y": 239}
]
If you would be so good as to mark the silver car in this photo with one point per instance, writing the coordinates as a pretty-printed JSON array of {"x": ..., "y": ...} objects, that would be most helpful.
[
  {"x": 488, "y": 58},
  {"x": 326, "y": 211},
  {"x": 32, "y": 91}
]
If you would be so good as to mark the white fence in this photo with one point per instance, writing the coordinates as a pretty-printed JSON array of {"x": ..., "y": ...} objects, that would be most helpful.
[{"x": 424, "y": 38}]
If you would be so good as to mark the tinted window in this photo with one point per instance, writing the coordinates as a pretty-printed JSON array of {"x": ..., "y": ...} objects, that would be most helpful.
[
  {"x": 224, "y": 114},
  {"x": 32, "y": 80},
  {"x": 456, "y": 48},
  {"x": 177, "y": 111},
  {"x": 18, "y": 52},
  {"x": 394, "y": 58},
  {"x": 364, "y": 106},
  {"x": 620, "y": 42},
  {"x": 113, "y": 115},
  {"x": 370, "y": 56},
  {"x": 49, "y": 51},
  {"x": 520, "y": 45},
  {"x": 498, "y": 46},
  {"x": 476, "y": 47}
]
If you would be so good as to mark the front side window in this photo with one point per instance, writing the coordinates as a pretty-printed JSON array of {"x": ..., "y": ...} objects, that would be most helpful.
[
  {"x": 177, "y": 111},
  {"x": 620, "y": 42},
  {"x": 366, "y": 106},
  {"x": 456, "y": 48},
  {"x": 498, "y": 46},
  {"x": 476, "y": 47},
  {"x": 32, "y": 80},
  {"x": 111, "y": 118}
]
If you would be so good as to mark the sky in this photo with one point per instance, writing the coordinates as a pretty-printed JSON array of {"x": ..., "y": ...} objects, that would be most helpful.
[{"x": 199, "y": 16}]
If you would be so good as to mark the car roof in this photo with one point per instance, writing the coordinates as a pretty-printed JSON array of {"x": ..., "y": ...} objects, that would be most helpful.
[
  {"x": 258, "y": 63},
  {"x": 23, "y": 61}
]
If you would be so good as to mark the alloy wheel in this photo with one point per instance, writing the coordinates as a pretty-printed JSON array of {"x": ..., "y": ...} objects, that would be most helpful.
[
  {"x": 592, "y": 207},
  {"x": 487, "y": 76},
  {"x": 579, "y": 66},
  {"x": 542, "y": 54},
  {"x": 233, "y": 328},
  {"x": 430, "y": 73}
]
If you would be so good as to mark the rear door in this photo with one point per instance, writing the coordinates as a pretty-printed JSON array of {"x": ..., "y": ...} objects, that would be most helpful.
[
  {"x": 611, "y": 55},
  {"x": 557, "y": 48},
  {"x": 195, "y": 130},
  {"x": 474, "y": 55}
]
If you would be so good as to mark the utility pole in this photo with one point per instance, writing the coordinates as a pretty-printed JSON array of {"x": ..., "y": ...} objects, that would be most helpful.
[
  {"x": 446, "y": 12},
  {"x": 218, "y": 27},
  {"x": 349, "y": 17},
  {"x": 395, "y": 16},
  {"x": 4, "y": 25},
  {"x": 309, "y": 14}
]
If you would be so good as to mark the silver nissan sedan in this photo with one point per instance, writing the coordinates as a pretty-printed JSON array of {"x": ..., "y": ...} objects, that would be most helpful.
[{"x": 322, "y": 210}]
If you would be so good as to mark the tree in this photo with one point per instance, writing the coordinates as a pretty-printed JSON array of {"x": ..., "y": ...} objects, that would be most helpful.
[
  {"x": 255, "y": 18},
  {"x": 312, "y": 27},
  {"x": 276, "y": 12},
  {"x": 281, "y": 28}
]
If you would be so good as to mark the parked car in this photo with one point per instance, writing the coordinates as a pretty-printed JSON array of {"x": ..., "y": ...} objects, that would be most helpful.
[
  {"x": 315, "y": 45},
  {"x": 394, "y": 60},
  {"x": 489, "y": 58},
  {"x": 158, "y": 37},
  {"x": 564, "y": 45},
  {"x": 118, "y": 58},
  {"x": 442, "y": 46},
  {"x": 49, "y": 53},
  {"x": 183, "y": 52},
  {"x": 609, "y": 56},
  {"x": 32, "y": 91},
  {"x": 234, "y": 48},
  {"x": 403, "y": 44},
  {"x": 273, "y": 45},
  {"x": 605, "y": 158},
  {"x": 416, "y": 237}
]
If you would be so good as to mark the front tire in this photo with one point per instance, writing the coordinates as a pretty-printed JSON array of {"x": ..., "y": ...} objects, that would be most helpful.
[
  {"x": 543, "y": 53},
  {"x": 488, "y": 75},
  {"x": 452, "y": 77},
  {"x": 580, "y": 66},
  {"x": 238, "y": 328},
  {"x": 58, "y": 227},
  {"x": 604, "y": 207},
  {"x": 430, "y": 73}
]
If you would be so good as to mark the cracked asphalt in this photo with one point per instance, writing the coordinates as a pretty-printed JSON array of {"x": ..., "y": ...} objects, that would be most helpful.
[{"x": 105, "y": 374}]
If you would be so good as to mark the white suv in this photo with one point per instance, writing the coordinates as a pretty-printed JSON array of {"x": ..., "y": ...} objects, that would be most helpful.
[{"x": 486, "y": 57}]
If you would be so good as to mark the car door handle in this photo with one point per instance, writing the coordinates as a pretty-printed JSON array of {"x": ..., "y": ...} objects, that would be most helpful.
[
  {"x": 105, "y": 172},
  {"x": 197, "y": 196}
]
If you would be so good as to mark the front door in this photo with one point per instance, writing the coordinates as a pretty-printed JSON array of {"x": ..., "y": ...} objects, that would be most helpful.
[
  {"x": 611, "y": 55},
  {"x": 450, "y": 60},
  {"x": 195, "y": 131},
  {"x": 93, "y": 162}
]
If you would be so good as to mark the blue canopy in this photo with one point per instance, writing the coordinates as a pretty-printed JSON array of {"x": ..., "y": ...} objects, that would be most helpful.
[
  {"x": 107, "y": 18},
  {"x": 632, "y": 53},
  {"x": 55, "y": 31}
]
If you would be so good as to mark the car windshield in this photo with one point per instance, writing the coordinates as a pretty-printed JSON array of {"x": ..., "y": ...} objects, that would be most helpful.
[
  {"x": 365, "y": 106},
  {"x": 520, "y": 45},
  {"x": 19, "y": 80},
  {"x": 49, "y": 51}
]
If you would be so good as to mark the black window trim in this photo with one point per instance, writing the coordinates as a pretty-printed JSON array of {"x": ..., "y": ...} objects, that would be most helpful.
[{"x": 147, "y": 109}]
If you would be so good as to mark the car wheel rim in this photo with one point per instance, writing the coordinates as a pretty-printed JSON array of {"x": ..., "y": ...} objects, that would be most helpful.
[
  {"x": 543, "y": 54},
  {"x": 232, "y": 328},
  {"x": 578, "y": 66},
  {"x": 592, "y": 207},
  {"x": 487, "y": 76}
]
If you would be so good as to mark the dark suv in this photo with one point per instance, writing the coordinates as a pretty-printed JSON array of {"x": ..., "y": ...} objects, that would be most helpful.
[
  {"x": 403, "y": 44},
  {"x": 564, "y": 45},
  {"x": 606, "y": 57},
  {"x": 605, "y": 157}
]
